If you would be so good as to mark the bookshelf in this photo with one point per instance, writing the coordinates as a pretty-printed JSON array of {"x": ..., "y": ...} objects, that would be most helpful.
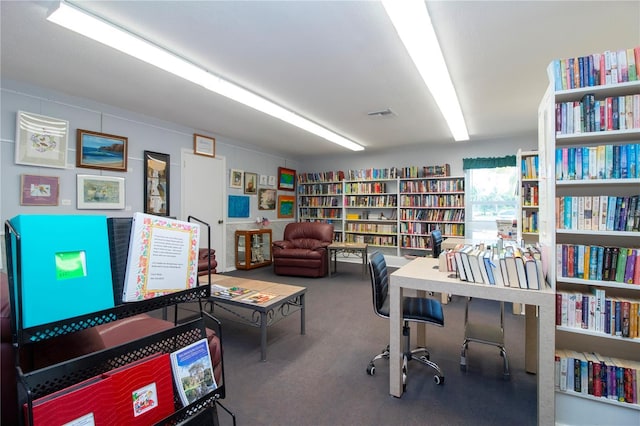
[
  {"x": 528, "y": 201},
  {"x": 320, "y": 199},
  {"x": 427, "y": 204},
  {"x": 571, "y": 168}
]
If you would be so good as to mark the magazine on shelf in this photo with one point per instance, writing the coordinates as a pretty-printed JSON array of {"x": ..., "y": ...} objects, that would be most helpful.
[
  {"x": 193, "y": 371},
  {"x": 228, "y": 292},
  {"x": 259, "y": 297}
]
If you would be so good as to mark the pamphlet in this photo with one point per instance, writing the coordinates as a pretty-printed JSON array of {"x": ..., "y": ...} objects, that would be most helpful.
[
  {"x": 193, "y": 371},
  {"x": 259, "y": 297},
  {"x": 228, "y": 292}
]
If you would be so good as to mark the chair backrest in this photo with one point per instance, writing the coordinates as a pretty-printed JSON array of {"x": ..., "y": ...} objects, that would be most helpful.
[
  {"x": 379, "y": 283},
  {"x": 308, "y": 230},
  {"x": 435, "y": 240}
]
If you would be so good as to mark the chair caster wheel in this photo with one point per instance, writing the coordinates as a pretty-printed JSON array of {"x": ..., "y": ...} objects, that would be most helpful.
[
  {"x": 371, "y": 370},
  {"x": 439, "y": 380}
]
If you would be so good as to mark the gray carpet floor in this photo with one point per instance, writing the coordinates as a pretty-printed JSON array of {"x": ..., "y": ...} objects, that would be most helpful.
[{"x": 320, "y": 378}]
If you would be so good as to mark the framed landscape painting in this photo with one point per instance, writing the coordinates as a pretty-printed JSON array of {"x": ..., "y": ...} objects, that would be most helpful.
[
  {"x": 100, "y": 192},
  {"x": 101, "y": 151}
]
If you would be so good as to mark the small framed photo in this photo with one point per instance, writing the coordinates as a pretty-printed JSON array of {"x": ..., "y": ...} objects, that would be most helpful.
[
  {"x": 156, "y": 183},
  {"x": 101, "y": 151},
  {"x": 250, "y": 183},
  {"x": 39, "y": 190},
  {"x": 272, "y": 181},
  {"x": 286, "y": 179},
  {"x": 41, "y": 140},
  {"x": 266, "y": 199},
  {"x": 235, "y": 179},
  {"x": 100, "y": 192},
  {"x": 263, "y": 180},
  {"x": 286, "y": 206},
  {"x": 204, "y": 145}
]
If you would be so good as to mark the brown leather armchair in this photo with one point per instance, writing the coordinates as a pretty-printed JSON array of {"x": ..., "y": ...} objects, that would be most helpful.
[{"x": 303, "y": 250}]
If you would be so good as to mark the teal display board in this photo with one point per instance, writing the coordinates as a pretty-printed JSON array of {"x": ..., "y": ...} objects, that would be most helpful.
[
  {"x": 65, "y": 264},
  {"x": 238, "y": 206}
]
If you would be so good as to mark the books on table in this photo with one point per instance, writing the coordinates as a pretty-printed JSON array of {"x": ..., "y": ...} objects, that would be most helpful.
[
  {"x": 163, "y": 257},
  {"x": 193, "y": 371},
  {"x": 218, "y": 290},
  {"x": 65, "y": 267},
  {"x": 259, "y": 297}
]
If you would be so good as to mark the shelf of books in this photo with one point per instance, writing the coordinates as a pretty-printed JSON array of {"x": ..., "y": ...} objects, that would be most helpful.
[
  {"x": 427, "y": 204},
  {"x": 320, "y": 199},
  {"x": 133, "y": 383},
  {"x": 589, "y": 146}
]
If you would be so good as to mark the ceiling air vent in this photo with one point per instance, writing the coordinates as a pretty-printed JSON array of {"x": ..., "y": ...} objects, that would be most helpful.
[{"x": 382, "y": 113}]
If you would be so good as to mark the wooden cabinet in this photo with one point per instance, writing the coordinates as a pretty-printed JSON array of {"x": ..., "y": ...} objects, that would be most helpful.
[{"x": 253, "y": 248}]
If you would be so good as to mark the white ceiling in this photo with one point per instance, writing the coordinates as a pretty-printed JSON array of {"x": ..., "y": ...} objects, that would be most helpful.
[{"x": 331, "y": 61}]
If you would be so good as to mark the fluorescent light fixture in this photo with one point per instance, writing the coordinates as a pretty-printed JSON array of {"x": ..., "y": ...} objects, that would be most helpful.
[
  {"x": 104, "y": 32},
  {"x": 413, "y": 25}
]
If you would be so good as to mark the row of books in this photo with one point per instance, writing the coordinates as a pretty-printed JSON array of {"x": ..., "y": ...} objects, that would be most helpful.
[
  {"x": 428, "y": 200},
  {"x": 139, "y": 393},
  {"x": 413, "y": 241},
  {"x": 590, "y": 373},
  {"x": 529, "y": 221},
  {"x": 447, "y": 229},
  {"x": 372, "y": 228},
  {"x": 314, "y": 201},
  {"x": 365, "y": 188},
  {"x": 510, "y": 267},
  {"x": 440, "y": 185},
  {"x": 320, "y": 189},
  {"x": 614, "y": 316},
  {"x": 371, "y": 174},
  {"x": 330, "y": 176},
  {"x": 529, "y": 167},
  {"x": 530, "y": 194},
  {"x": 594, "y": 262},
  {"x": 321, "y": 213},
  {"x": 592, "y": 115},
  {"x": 598, "y": 162},
  {"x": 371, "y": 201},
  {"x": 599, "y": 212},
  {"x": 374, "y": 240},
  {"x": 433, "y": 215},
  {"x": 598, "y": 69}
]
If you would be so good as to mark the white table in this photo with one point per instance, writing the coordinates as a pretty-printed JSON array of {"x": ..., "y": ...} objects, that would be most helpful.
[{"x": 422, "y": 274}]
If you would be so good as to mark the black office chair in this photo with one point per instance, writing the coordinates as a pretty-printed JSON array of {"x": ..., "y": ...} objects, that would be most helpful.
[{"x": 416, "y": 309}]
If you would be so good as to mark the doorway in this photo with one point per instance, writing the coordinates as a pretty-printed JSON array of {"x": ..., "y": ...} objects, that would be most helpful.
[{"x": 204, "y": 197}]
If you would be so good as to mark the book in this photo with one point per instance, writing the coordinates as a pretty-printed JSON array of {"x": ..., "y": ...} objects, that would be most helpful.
[
  {"x": 193, "y": 372},
  {"x": 143, "y": 390},
  {"x": 85, "y": 403},
  {"x": 65, "y": 267},
  {"x": 259, "y": 297},
  {"x": 228, "y": 292},
  {"x": 163, "y": 257}
]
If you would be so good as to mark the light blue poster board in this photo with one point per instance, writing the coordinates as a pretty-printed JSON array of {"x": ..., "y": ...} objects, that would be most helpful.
[{"x": 238, "y": 206}]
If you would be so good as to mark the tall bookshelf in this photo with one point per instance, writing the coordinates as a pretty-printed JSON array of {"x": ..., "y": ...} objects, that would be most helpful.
[
  {"x": 559, "y": 182},
  {"x": 528, "y": 201},
  {"x": 427, "y": 204},
  {"x": 320, "y": 199}
]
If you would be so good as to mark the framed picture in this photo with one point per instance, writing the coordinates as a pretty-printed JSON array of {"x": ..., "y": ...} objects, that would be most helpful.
[
  {"x": 101, "y": 151},
  {"x": 156, "y": 183},
  {"x": 41, "y": 140},
  {"x": 39, "y": 190},
  {"x": 272, "y": 181},
  {"x": 286, "y": 179},
  {"x": 100, "y": 192},
  {"x": 204, "y": 145},
  {"x": 238, "y": 206},
  {"x": 266, "y": 199},
  {"x": 263, "y": 180},
  {"x": 235, "y": 179},
  {"x": 286, "y": 204},
  {"x": 250, "y": 183}
]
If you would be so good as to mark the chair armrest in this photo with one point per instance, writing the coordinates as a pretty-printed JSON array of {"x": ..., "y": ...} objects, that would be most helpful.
[
  {"x": 283, "y": 244},
  {"x": 322, "y": 245}
]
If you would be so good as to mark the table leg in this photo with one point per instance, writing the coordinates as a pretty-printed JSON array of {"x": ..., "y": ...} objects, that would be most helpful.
[
  {"x": 263, "y": 336},
  {"x": 332, "y": 261},
  {"x": 364, "y": 263},
  {"x": 302, "y": 314},
  {"x": 395, "y": 339},
  {"x": 531, "y": 339},
  {"x": 546, "y": 349}
]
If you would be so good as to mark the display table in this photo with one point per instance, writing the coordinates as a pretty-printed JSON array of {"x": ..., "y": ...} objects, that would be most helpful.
[
  {"x": 288, "y": 299},
  {"x": 359, "y": 249},
  {"x": 423, "y": 274}
]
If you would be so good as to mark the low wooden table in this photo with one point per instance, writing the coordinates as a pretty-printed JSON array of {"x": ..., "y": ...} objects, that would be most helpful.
[
  {"x": 359, "y": 249},
  {"x": 289, "y": 299}
]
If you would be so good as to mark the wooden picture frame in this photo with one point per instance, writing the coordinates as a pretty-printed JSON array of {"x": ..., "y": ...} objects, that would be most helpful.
[
  {"x": 286, "y": 206},
  {"x": 41, "y": 140},
  {"x": 250, "y": 183},
  {"x": 286, "y": 179},
  {"x": 204, "y": 145},
  {"x": 100, "y": 192},
  {"x": 157, "y": 168},
  {"x": 236, "y": 179},
  {"x": 39, "y": 190},
  {"x": 102, "y": 151},
  {"x": 266, "y": 199}
]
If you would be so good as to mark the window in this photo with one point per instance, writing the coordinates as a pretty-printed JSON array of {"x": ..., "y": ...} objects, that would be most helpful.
[{"x": 491, "y": 196}]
